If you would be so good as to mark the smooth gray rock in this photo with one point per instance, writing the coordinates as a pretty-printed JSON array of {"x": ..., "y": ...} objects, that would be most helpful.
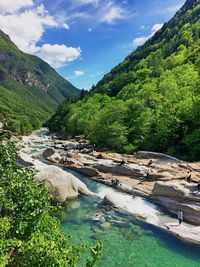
[
  {"x": 155, "y": 155},
  {"x": 173, "y": 189},
  {"x": 62, "y": 185}
]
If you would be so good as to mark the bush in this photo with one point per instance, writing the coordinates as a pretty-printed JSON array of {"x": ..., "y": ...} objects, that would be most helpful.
[{"x": 29, "y": 234}]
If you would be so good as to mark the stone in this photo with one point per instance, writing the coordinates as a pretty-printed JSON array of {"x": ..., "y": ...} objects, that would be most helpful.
[
  {"x": 62, "y": 185},
  {"x": 78, "y": 138},
  {"x": 185, "y": 232},
  {"x": 155, "y": 155},
  {"x": 173, "y": 189},
  {"x": 55, "y": 158},
  {"x": 70, "y": 145},
  {"x": 190, "y": 209},
  {"x": 75, "y": 205},
  {"x": 48, "y": 152},
  {"x": 108, "y": 166},
  {"x": 106, "y": 225},
  {"x": 102, "y": 220},
  {"x": 89, "y": 171}
]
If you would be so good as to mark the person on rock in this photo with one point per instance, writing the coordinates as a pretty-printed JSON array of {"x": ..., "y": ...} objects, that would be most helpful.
[
  {"x": 180, "y": 216},
  {"x": 150, "y": 163},
  {"x": 189, "y": 177}
]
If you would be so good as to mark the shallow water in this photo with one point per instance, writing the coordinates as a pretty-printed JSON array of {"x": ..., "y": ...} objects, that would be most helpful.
[{"x": 129, "y": 241}]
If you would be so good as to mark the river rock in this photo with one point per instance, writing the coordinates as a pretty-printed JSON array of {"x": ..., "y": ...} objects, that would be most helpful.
[
  {"x": 48, "y": 152},
  {"x": 75, "y": 205},
  {"x": 102, "y": 220},
  {"x": 172, "y": 189},
  {"x": 62, "y": 185},
  {"x": 155, "y": 155},
  {"x": 68, "y": 145},
  {"x": 89, "y": 171},
  {"x": 78, "y": 138},
  {"x": 55, "y": 158},
  {"x": 108, "y": 166},
  {"x": 106, "y": 225}
]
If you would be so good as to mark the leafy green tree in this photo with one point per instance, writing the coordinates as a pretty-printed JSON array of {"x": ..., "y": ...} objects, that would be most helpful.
[{"x": 29, "y": 234}]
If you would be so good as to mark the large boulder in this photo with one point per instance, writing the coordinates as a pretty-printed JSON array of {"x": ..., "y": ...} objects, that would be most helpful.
[
  {"x": 89, "y": 171},
  {"x": 48, "y": 152},
  {"x": 62, "y": 185},
  {"x": 171, "y": 189},
  {"x": 134, "y": 170}
]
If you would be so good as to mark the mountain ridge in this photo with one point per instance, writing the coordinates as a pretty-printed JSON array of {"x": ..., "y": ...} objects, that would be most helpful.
[{"x": 33, "y": 81}]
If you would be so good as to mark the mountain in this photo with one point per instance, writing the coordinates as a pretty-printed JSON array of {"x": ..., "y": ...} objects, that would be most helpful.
[
  {"x": 151, "y": 101},
  {"x": 180, "y": 35},
  {"x": 30, "y": 90}
]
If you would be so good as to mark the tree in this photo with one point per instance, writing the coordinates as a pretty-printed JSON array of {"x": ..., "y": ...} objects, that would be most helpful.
[{"x": 29, "y": 234}]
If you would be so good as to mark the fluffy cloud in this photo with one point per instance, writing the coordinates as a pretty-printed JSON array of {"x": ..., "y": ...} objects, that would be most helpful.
[
  {"x": 10, "y": 6},
  {"x": 79, "y": 73},
  {"x": 143, "y": 39},
  {"x": 26, "y": 28},
  {"x": 58, "y": 55}
]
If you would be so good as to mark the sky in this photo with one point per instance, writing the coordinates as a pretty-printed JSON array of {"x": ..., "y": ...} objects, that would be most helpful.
[{"x": 83, "y": 39}]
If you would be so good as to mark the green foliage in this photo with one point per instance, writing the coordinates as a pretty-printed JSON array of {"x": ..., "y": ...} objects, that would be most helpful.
[
  {"x": 153, "y": 97},
  {"x": 29, "y": 234}
]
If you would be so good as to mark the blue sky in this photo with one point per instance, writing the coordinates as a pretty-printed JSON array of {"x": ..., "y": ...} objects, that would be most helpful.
[{"x": 83, "y": 39}]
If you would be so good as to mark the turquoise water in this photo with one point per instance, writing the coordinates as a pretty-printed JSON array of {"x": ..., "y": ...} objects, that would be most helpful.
[{"x": 128, "y": 241}]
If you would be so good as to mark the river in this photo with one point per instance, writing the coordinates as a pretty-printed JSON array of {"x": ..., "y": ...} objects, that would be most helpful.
[{"x": 128, "y": 241}]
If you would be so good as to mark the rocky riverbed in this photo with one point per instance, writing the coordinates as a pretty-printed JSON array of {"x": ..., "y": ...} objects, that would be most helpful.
[{"x": 158, "y": 178}]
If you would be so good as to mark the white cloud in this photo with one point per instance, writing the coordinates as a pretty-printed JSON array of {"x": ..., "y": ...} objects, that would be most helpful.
[
  {"x": 79, "y": 73},
  {"x": 58, "y": 55},
  {"x": 10, "y": 6},
  {"x": 26, "y": 29},
  {"x": 140, "y": 40},
  {"x": 112, "y": 12},
  {"x": 143, "y": 39},
  {"x": 156, "y": 27},
  {"x": 86, "y": 2}
]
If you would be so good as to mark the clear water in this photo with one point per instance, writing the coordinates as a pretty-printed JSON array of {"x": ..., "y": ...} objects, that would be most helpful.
[{"x": 129, "y": 242}]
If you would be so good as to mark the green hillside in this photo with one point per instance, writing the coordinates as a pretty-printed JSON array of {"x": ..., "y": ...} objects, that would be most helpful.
[
  {"x": 34, "y": 88},
  {"x": 151, "y": 101}
]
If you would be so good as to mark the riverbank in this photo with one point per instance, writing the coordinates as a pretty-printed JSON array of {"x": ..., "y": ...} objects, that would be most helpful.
[{"x": 164, "y": 184}]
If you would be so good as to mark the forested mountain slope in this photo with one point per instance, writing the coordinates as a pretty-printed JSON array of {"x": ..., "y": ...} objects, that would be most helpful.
[
  {"x": 151, "y": 100},
  {"x": 30, "y": 89}
]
